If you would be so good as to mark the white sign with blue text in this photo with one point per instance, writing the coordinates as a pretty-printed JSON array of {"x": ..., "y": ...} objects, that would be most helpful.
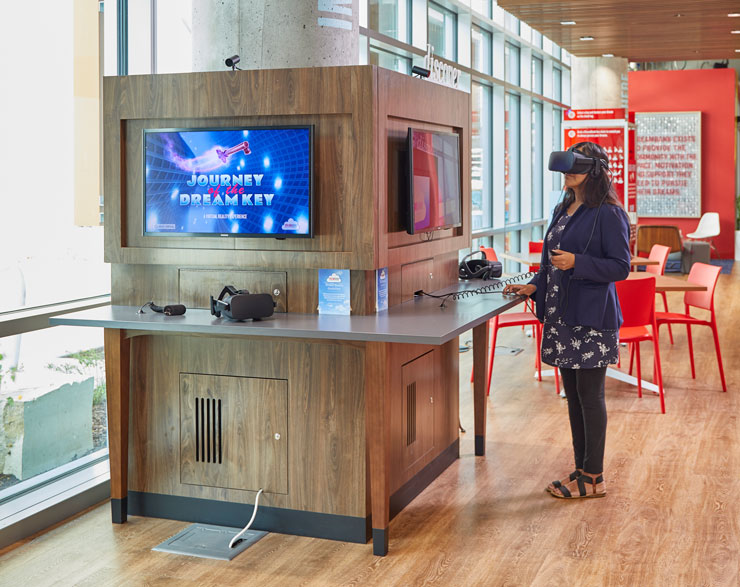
[
  {"x": 334, "y": 292},
  {"x": 381, "y": 289}
]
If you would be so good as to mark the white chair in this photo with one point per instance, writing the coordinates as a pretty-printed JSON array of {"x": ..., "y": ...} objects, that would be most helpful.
[{"x": 707, "y": 229}]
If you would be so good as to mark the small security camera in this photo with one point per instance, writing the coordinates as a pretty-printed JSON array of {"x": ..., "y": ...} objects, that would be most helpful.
[
  {"x": 232, "y": 61},
  {"x": 420, "y": 71}
]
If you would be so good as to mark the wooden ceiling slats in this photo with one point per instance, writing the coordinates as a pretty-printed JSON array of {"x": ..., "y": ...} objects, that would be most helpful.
[{"x": 641, "y": 31}]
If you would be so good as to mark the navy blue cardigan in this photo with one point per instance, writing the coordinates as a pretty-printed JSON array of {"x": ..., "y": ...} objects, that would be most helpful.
[{"x": 587, "y": 295}]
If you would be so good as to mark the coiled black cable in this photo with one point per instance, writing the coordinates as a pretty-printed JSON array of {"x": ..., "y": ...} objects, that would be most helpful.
[{"x": 484, "y": 289}]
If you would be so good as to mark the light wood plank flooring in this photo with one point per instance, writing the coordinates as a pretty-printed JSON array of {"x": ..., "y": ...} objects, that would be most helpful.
[{"x": 672, "y": 516}]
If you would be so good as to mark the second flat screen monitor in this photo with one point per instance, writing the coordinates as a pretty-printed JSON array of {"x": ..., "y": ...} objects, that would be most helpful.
[{"x": 434, "y": 181}]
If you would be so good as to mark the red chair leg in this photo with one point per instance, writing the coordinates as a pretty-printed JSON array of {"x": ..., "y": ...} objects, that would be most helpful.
[
  {"x": 631, "y": 346},
  {"x": 665, "y": 306},
  {"x": 557, "y": 381},
  {"x": 719, "y": 355},
  {"x": 659, "y": 374},
  {"x": 639, "y": 373},
  {"x": 538, "y": 345},
  {"x": 491, "y": 354},
  {"x": 691, "y": 350}
]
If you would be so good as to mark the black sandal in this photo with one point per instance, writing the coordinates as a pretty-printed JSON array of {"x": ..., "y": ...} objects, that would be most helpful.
[
  {"x": 556, "y": 484},
  {"x": 581, "y": 481}
]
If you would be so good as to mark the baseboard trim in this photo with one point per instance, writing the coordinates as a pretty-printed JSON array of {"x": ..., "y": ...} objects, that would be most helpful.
[
  {"x": 419, "y": 482},
  {"x": 222, "y": 513}
]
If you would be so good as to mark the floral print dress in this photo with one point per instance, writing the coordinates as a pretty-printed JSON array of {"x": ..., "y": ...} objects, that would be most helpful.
[{"x": 571, "y": 347}]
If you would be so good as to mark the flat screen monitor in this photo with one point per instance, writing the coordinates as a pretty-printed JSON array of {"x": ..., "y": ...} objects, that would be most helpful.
[
  {"x": 435, "y": 200},
  {"x": 240, "y": 182}
]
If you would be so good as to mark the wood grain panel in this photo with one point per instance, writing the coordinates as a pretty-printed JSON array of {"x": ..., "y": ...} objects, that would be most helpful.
[
  {"x": 343, "y": 151},
  {"x": 245, "y": 432},
  {"x": 197, "y": 285},
  {"x": 639, "y": 31},
  {"x": 134, "y": 285},
  {"x": 416, "y": 276},
  {"x": 417, "y": 414},
  {"x": 326, "y": 462}
]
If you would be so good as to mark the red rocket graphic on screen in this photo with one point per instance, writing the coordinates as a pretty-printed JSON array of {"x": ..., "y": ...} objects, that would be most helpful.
[{"x": 224, "y": 155}]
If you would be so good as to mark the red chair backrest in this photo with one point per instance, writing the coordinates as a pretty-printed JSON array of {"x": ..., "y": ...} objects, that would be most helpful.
[
  {"x": 706, "y": 275},
  {"x": 535, "y": 246},
  {"x": 658, "y": 253},
  {"x": 490, "y": 253},
  {"x": 637, "y": 300}
]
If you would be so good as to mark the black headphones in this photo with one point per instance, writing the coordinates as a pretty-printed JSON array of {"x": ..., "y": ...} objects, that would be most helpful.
[{"x": 479, "y": 268}]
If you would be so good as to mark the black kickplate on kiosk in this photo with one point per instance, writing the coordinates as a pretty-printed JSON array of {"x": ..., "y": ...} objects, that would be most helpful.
[{"x": 209, "y": 541}]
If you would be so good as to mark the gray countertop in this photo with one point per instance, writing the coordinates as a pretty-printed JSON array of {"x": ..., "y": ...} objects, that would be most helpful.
[{"x": 417, "y": 321}]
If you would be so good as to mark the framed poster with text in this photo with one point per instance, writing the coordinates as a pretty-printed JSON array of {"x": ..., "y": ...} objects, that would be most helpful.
[{"x": 668, "y": 150}]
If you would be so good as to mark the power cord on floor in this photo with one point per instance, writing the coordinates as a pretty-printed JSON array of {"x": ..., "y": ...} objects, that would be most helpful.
[{"x": 236, "y": 539}]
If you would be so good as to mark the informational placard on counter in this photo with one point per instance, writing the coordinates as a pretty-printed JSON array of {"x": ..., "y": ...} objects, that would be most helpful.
[
  {"x": 381, "y": 289},
  {"x": 334, "y": 291}
]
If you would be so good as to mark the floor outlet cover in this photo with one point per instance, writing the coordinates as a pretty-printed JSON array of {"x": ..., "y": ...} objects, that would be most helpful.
[{"x": 209, "y": 541}]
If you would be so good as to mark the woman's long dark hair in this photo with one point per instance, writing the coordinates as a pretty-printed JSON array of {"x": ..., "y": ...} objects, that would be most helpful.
[{"x": 595, "y": 189}]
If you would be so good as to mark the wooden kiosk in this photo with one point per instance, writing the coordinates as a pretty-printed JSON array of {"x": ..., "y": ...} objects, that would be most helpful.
[{"x": 295, "y": 420}]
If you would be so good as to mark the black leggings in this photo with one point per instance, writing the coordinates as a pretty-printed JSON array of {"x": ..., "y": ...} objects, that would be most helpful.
[{"x": 584, "y": 389}]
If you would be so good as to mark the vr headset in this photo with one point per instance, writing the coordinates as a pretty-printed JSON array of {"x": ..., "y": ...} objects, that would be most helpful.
[
  {"x": 572, "y": 161},
  {"x": 239, "y": 304},
  {"x": 479, "y": 268}
]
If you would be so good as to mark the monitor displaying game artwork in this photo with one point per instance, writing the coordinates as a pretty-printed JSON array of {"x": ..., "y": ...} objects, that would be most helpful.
[{"x": 247, "y": 182}]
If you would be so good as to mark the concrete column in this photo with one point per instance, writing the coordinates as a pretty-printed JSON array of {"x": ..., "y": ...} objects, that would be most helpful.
[
  {"x": 267, "y": 34},
  {"x": 599, "y": 82}
]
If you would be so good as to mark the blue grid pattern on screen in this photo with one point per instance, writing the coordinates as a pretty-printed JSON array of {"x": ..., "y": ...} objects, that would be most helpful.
[{"x": 282, "y": 155}]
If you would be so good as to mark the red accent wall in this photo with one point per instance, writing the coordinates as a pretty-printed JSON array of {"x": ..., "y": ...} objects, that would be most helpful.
[{"x": 711, "y": 91}]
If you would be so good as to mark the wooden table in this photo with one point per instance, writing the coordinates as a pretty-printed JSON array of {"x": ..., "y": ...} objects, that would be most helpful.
[
  {"x": 535, "y": 258},
  {"x": 668, "y": 283}
]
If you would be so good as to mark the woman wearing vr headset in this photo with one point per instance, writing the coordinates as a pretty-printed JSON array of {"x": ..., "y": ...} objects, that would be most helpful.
[{"x": 586, "y": 250}]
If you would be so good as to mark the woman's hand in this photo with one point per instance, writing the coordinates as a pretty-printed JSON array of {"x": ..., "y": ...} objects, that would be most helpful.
[
  {"x": 522, "y": 289},
  {"x": 562, "y": 260}
]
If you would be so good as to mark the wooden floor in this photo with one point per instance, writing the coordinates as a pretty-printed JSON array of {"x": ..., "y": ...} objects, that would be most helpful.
[{"x": 672, "y": 515}]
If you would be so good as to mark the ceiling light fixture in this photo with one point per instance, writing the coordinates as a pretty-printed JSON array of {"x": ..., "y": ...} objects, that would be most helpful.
[
  {"x": 567, "y": 22},
  {"x": 734, "y": 14},
  {"x": 735, "y": 32},
  {"x": 589, "y": 38},
  {"x": 607, "y": 55},
  {"x": 679, "y": 15}
]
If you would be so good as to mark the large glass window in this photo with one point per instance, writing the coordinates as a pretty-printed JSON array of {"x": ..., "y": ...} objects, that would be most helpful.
[
  {"x": 512, "y": 23},
  {"x": 442, "y": 31},
  {"x": 512, "y": 165},
  {"x": 389, "y": 60},
  {"x": 52, "y": 394},
  {"x": 390, "y": 17},
  {"x": 538, "y": 165},
  {"x": 557, "y": 84},
  {"x": 174, "y": 36},
  {"x": 481, "y": 156},
  {"x": 557, "y": 141},
  {"x": 481, "y": 50},
  {"x": 481, "y": 7},
  {"x": 511, "y": 63},
  {"x": 537, "y": 75}
]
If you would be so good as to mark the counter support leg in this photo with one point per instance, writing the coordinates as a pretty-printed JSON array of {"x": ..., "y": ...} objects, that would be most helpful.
[
  {"x": 480, "y": 376},
  {"x": 377, "y": 421},
  {"x": 117, "y": 365}
]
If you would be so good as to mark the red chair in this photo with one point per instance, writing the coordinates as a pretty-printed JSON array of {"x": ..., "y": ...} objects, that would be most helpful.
[
  {"x": 637, "y": 300},
  {"x": 535, "y": 247},
  {"x": 706, "y": 275},
  {"x": 660, "y": 253},
  {"x": 489, "y": 253},
  {"x": 514, "y": 319}
]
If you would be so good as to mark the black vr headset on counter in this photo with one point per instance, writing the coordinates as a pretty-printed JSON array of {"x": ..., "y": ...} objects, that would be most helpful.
[
  {"x": 239, "y": 304},
  {"x": 572, "y": 161}
]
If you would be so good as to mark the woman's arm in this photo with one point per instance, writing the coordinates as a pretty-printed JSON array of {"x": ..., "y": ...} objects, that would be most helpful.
[{"x": 614, "y": 235}]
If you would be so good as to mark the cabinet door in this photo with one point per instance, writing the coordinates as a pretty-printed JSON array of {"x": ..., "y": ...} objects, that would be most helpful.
[
  {"x": 234, "y": 432},
  {"x": 418, "y": 408}
]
